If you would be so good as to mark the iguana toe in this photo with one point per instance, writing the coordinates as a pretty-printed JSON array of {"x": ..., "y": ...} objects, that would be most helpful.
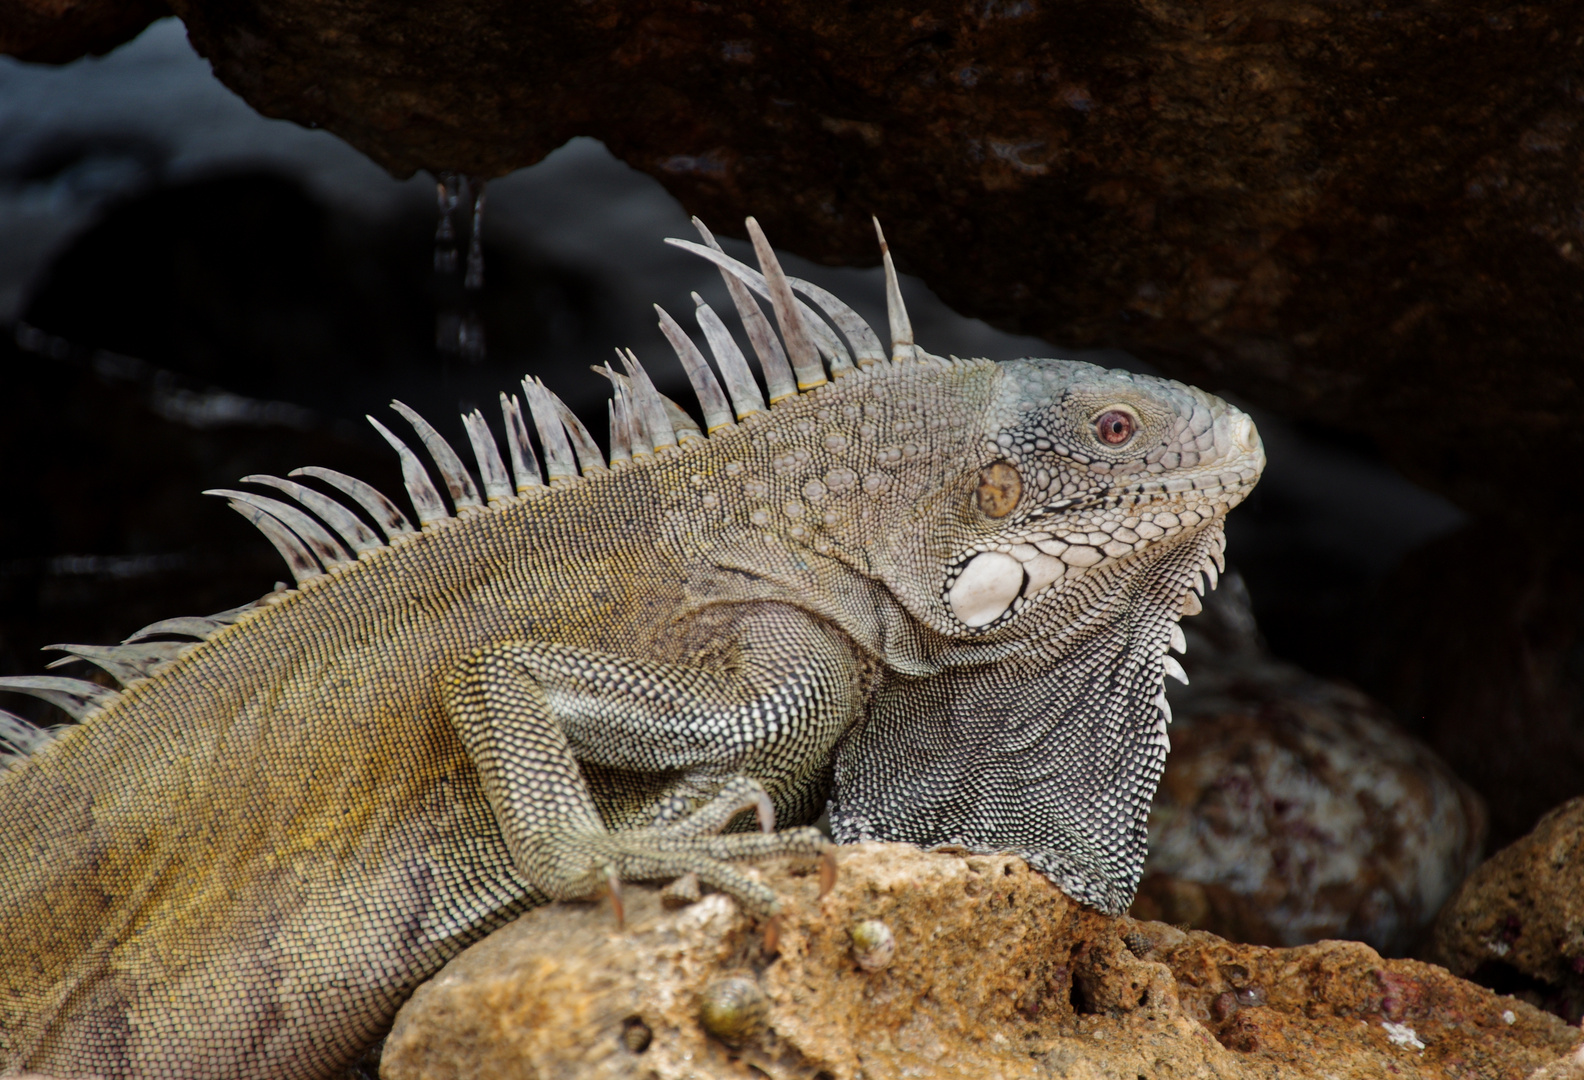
[{"x": 589, "y": 864}]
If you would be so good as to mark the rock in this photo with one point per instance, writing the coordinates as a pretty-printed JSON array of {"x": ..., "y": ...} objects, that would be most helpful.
[
  {"x": 1567, "y": 1068},
  {"x": 732, "y": 1009},
  {"x": 1518, "y": 921},
  {"x": 995, "y": 974},
  {"x": 1294, "y": 808},
  {"x": 57, "y": 31},
  {"x": 1354, "y": 214}
]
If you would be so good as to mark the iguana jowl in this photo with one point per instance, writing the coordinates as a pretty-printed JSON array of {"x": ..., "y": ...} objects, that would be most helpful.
[{"x": 936, "y": 594}]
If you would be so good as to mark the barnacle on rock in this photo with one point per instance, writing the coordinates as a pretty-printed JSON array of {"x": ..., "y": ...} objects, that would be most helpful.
[
  {"x": 732, "y": 1008},
  {"x": 873, "y": 944}
]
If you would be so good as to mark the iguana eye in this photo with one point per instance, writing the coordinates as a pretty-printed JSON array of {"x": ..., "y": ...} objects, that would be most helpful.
[
  {"x": 1000, "y": 487},
  {"x": 1115, "y": 427}
]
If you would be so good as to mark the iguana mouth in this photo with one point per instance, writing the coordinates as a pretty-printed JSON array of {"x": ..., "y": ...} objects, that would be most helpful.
[
  {"x": 1232, "y": 487},
  {"x": 989, "y": 586},
  {"x": 992, "y": 582}
]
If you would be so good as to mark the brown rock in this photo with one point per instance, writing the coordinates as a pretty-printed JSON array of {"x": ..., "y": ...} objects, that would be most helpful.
[
  {"x": 1293, "y": 808},
  {"x": 1518, "y": 921},
  {"x": 1567, "y": 1068},
  {"x": 1354, "y": 213},
  {"x": 996, "y": 974},
  {"x": 57, "y": 31}
]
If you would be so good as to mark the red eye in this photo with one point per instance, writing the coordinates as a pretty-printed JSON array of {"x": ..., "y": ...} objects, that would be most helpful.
[{"x": 1115, "y": 427}]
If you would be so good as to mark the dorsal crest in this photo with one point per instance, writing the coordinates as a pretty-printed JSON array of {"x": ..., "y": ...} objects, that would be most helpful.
[{"x": 813, "y": 338}]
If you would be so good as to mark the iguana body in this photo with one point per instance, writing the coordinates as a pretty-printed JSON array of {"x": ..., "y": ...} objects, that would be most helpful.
[{"x": 242, "y": 864}]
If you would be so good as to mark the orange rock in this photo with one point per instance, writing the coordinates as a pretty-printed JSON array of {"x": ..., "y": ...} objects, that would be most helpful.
[{"x": 995, "y": 974}]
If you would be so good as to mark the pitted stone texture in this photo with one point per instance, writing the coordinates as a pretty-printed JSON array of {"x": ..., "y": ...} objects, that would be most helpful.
[
  {"x": 1518, "y": 921},
  {"x": 996, "y": 974},
  {"x": 1293, "y": 808},
  {"x": 1570, "y": 1067}
]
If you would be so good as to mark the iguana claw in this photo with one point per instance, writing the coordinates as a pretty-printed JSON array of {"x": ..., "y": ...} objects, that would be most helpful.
[
  {"x": 616, "y": 899},
  {"x": 827, "y": 872}
]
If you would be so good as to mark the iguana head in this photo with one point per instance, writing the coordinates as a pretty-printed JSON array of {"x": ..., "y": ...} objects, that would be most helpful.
[
  {"x": 1051, "y": 569},
  {"x": 1083, "y": 475}
]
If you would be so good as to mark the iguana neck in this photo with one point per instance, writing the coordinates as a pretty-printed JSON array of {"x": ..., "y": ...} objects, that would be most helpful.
[{"x": 1054, "y": 754}]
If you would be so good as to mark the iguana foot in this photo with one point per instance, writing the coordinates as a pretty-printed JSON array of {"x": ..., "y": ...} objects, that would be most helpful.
[
  {"x": 738, "y": 794},
  {"x": 586, "y": 863},
  {"x": 530, "y": 757}
]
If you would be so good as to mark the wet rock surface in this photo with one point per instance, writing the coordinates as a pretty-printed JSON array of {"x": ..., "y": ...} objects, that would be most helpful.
[
  {"x": 995, "y": 973},
  {"x": 1518, "y": 922},
  {"x": 1356, "y": 215},
  {"x": 1294, "y": 808}
]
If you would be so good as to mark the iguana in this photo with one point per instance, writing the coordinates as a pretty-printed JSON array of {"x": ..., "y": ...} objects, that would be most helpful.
[{"x": 933, "y": 596}]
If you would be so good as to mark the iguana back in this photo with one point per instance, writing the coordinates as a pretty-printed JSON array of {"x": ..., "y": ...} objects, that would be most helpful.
[
  {"x": 286, "y": 806},
  {"x": 242, "y": 863}
]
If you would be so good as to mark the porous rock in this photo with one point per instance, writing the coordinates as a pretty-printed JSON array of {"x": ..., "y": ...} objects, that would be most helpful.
[
  {"x": 1518, "y": 921},
  {"x": 1294, "y": 808},
  {"x": 996, "y": 974}
]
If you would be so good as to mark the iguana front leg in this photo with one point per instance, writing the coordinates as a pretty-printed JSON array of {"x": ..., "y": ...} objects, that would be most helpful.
[{"x": 767, "y": 717}]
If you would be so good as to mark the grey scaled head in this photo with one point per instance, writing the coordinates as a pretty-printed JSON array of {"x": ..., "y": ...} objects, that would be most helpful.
[{"x": 1051, "y": 583}]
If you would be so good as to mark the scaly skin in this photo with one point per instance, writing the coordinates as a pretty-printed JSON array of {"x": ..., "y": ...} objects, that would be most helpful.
[{"x": 244, "y": 864}]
